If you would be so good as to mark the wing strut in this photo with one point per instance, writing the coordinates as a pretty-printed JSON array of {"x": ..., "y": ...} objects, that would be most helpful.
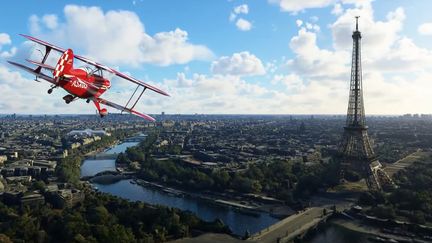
[
  {"x": 47, "y": 52},
  {"x": 136, "y": 101},
  {"x": 139, "y": 97}
]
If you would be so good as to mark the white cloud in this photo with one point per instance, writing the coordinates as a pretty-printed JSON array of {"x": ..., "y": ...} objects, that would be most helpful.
[
  {"x": 241, "y": 9},
  {"x": 313, "y": 27},
  {"x": 295, "y": 6},
  {"x": 214, "y": 94},
  {"x": 4, "y": 39},
  {"x": 50, "y": 21},
  {"x": 310, "y": 60},
  {"x": 292, "y": 82},
  {"x": 299, "y": 22},
  {"x": 379, "y": 36},
  {"x": 118, "y": 37},
  {"x": 299, "y": 5},
  {"x": 243, "y": 24},
  {"x": 8, "y": 54},
  {"x": 337, "y": 9},
  {"x": 425, "y": 29},
  {"x": 239, "y": 64}
]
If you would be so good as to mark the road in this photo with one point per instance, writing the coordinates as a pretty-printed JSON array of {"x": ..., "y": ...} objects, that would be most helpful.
[{"x": 290, "y": 226}]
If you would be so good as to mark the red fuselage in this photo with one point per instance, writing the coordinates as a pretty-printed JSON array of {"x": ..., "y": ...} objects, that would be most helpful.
[{"x": 80, "y": 83}]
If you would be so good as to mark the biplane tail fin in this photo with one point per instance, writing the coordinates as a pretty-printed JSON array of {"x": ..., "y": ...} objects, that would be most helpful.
[{"x": 64, "y": 64}]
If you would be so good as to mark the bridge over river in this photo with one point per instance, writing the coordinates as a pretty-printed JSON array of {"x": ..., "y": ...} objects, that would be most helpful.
[
  {"x": 103, "y": 156},
  {"x": 291, "y": 227},
  {"x": 108, "y": 177},
  {"x": 298, "y": 225}
]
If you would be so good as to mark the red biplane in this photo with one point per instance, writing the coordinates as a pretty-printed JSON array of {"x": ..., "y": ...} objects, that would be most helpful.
[{"x": 83, "y": 83}]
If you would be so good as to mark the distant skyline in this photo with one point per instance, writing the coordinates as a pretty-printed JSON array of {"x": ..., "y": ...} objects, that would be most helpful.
[{"x": 229, "y": 57}]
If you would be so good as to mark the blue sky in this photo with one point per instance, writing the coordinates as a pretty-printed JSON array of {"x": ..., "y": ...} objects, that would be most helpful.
[{"x": 261, "y": 56}]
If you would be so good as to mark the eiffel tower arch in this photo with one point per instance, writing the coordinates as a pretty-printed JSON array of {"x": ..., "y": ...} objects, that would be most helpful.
[{"x": 355, "y": 148}]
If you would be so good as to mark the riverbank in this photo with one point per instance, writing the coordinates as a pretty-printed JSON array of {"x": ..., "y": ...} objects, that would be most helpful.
[
  {"x": 377, "y": 234},
  {"x": 250, "y": 208}
]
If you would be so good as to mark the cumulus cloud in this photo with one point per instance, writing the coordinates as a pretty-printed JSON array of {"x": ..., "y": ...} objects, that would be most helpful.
[
  {"x": 425, "y": 29},
  {"x": 313, "y": 27},
  {"x": 299, "y": 5},
  {"x": 239, "y": 64},
  {"x": 337, "y": 9},
  {"x": 293, "y": 82},
  {"x": 50, "y": 21},
  {"x": 295, "y": 6},
  {"x": 4, "y": 39},
  {"x": 214, "y": 94},
  {"x": 379, "y": 35},
  {"x": 241, "y": 9},
  {"x": 117, "y": 37},
  {"x": 243, "y": 24},
  {"x": 310, "y": 60}
]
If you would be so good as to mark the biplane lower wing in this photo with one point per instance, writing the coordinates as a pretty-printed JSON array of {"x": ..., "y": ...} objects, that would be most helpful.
[
  {"x": 122, "y": 108},
  {"x": 43, "y": 65},
  {"x": 32, "y": 71}
]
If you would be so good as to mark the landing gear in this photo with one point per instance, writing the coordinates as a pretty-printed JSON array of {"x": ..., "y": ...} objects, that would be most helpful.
[
  {"x": 103, "y": 112},
  {"x": 68, "y": 98},
  {"x": 50, "y": 91}
]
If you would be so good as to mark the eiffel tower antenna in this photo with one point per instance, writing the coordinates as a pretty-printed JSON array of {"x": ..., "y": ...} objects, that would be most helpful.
[
  {"x": 356, "y": 148},
  {"x": 357, "y": 17}
]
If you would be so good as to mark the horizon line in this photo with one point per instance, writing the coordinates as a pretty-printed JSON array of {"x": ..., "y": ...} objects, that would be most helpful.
[{"x": 218, "y": 114}]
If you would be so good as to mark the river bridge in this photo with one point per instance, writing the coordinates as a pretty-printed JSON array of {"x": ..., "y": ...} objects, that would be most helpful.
[
  {"x": 137, "y": 138},
  {"x": 294, "y": 226},
  {"x": 108, "y": 177},
  {"x": 102, "y": 156},
  {"x": 298, "y": 225}
]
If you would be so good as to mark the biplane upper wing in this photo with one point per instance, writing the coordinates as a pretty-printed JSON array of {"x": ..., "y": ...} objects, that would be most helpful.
[
  {"x": 98, "y": 65},
  {"x": 32, "y": 71},
  {"x": 44, "y": 43},
  {"x": 122, "y": 75},
  {"x": 122, "y": 108}
]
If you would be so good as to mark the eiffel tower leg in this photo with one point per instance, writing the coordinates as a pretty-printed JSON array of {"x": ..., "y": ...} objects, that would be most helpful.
[{"x": 372, "y": 180}]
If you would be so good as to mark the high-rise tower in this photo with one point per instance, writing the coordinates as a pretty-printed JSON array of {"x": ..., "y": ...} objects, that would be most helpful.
[{"x": 355, "y": 148}]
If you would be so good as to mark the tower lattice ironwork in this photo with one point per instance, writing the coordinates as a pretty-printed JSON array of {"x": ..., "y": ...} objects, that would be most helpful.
[{"x": 356, "y": 148}]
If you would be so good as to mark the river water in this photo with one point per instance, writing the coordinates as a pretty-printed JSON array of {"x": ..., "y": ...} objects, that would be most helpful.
[{"x": 237, "y": 221}]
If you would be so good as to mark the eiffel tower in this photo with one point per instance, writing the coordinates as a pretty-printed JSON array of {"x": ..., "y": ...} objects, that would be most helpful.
[{"x": 355, "y": 148}]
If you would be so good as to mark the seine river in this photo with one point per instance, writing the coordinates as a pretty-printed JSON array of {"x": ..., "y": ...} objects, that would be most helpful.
[{"x": 237, "y": 221}]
